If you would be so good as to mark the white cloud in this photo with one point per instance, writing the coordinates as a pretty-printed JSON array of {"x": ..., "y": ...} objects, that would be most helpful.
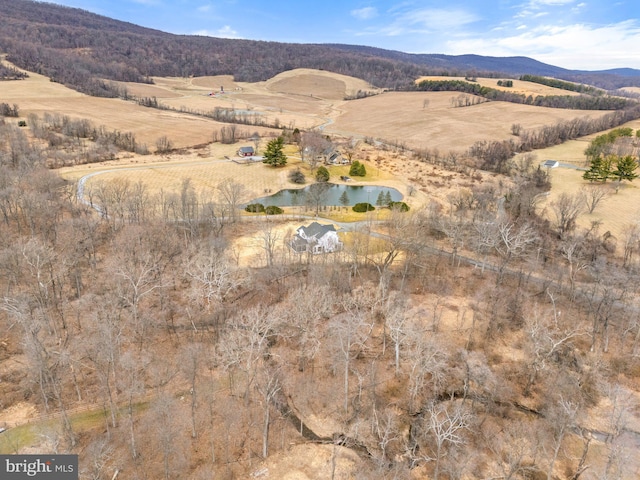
[
  {"x": 424, "y": 21},
  {"x": 204, "y": 8},
  {"x": 365, "y": 13},
  {"x": 438, "y": 19},
  {"x": 577, "y": 46},
  {"x": 549, "y": 3},
  {"x": 224, "y": 32}
]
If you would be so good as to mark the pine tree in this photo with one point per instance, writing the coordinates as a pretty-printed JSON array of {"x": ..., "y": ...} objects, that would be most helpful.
[
  {"x": 387, "y": 198},
  {"x": 599, "y": 170},
  {"x": 274, "y": 155},
  {"x": 380, "y": 199},
  {"x": 625, "y": 169},
  {"x": 344, "y": 199}
]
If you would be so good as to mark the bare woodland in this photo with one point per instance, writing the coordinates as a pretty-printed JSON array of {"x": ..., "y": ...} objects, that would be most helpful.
[
  {"x": 480, "y": 337},
  {"x": 482, "y": 341}
]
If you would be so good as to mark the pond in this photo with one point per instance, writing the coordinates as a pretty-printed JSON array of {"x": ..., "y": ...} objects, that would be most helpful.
[{"x": 330, "y": 194}]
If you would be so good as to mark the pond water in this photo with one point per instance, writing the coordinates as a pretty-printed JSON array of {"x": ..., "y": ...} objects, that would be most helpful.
[{"x": 329, "y": 194}]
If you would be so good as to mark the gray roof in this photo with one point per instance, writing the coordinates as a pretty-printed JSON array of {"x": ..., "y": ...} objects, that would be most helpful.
[
  {"x": 550, "y": 163},
  {"x": 316, "y": 230}
]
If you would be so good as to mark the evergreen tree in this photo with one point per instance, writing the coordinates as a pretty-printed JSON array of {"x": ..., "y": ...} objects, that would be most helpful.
[
  {"x": 322, "y": 174},
  {"x": 274, "y": 155},
  {"x": 387, "y": 198},
  {"x": 344, "y": 199},
  {"x": 599, "y": 170},
  {"x": 380, "y": 199},
  {"x": 357, "y": 169},
  {"x": 626, "y": 169}
]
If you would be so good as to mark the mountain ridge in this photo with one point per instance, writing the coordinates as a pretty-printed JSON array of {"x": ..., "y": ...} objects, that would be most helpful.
[{"x": 85, "y": 51}]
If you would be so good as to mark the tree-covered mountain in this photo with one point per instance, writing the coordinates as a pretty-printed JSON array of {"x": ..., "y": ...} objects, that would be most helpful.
[{"x": 82, "y": 50}]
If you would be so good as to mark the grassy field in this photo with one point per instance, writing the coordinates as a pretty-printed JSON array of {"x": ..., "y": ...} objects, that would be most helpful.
[
  {"x": 309, "y": 98},
  {"x": 525, "y": 88},
  {"x": 615, "y": 212},
  {"x": 438, "y": 124}
]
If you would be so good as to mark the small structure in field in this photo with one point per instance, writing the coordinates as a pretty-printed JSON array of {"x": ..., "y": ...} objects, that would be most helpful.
[
  {"x": 246, "y": 151},
  {"x": 551, "y": 164},
  {"x": 316, "y": 239}
]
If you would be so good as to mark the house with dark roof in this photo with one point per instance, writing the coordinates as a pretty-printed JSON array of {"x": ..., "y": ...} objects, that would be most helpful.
[
  {"x": 316, "y": 238},
  {"x": 246, "y": 151}
]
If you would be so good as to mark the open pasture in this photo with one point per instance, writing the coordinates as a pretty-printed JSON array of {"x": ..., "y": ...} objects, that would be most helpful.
[
  {"x": 317, "y": 83},
  {"x": 519, "y": 86},
  {"x": 304, "y": 98},
  {"x": 205, "y": 176},
  {"x": 428, "y": 120},
  {"x": 38, "y": 95},
  {"x": 615, "y": 213}
]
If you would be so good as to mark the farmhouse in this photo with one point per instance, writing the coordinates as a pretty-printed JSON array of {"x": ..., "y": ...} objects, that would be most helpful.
[
  {"x": 316, "y": 239},
  {"x": 245, "y": 151},
  {"x": 333, "y": 158}
]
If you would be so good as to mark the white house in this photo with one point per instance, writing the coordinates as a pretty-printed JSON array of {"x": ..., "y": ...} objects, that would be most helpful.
[{"x": 316, "y": 239}]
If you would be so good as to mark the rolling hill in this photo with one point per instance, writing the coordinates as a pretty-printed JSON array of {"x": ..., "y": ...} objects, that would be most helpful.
[{"x": 82, "y": 50}]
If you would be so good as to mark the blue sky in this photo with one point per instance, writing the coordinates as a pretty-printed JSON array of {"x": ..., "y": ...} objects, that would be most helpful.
[{"x": 577, "y": 34}]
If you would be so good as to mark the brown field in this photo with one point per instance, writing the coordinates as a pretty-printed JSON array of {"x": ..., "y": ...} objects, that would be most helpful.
[
  {"x": 38, "y": 95},
  {"x": 632, "y": 89},
  {"x": 614, "y": 212},
  {"x": 402, "y": 117},
  {"x": 309, "y": 98},
  {"x": 525, "y": 88}
]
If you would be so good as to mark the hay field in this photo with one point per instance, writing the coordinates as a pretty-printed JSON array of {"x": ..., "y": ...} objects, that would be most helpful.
[
  {"x": 205, "y": 176},
  {"x": 635, "y": 90},
  {"x": 38, "y": 95},
  {"x": 615, "y": 212},
  {"x": 525, "y": 88},
  {"x": 306, "y": 81},
  {"x": 304, "y": 98},
  {"x": 403, "y": 116}
]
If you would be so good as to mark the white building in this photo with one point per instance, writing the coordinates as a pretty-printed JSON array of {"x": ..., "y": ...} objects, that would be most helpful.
[{"x": 316, "y": 239}]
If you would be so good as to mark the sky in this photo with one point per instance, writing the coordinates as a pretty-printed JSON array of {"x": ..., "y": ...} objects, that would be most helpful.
[{"x": 574, "y": 34}]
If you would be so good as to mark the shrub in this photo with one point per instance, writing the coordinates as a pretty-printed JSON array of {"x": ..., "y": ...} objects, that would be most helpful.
[
  {"x": 22, "y": 123},
  {"x": 254, "y": 208},
  {"x": 400, "y": 206},
  {"x": 296, "y": 176},
  {"x": 363, "y": 207},
  {"x": 357, "y": 169},
  {"x": 322, "y": 174},
  {"x": 273, "y": 210}
]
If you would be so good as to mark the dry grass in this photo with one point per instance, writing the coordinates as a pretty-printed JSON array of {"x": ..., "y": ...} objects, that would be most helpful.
[
  {"x": 525, "y": 88},
  {"x": 613, "y": 213},
  {"x": 439, "y": 125},
  {"x": 310, "y": 98}
]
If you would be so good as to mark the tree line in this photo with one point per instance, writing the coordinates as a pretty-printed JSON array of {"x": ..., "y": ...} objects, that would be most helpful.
[
  {"x": 581, "y": 102},
  {"x": 563, "y": 84},
  {"x": 10, "y": 73}
]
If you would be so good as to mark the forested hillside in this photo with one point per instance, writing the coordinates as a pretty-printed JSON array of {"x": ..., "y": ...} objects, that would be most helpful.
[
  {"x": 75, "y": 47},
  {"x": 81, "y": 49}
]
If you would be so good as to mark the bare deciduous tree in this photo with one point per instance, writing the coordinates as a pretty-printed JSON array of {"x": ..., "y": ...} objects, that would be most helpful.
[
  {"x": 566, "y": 210},
  {"x": 232, "y": 194},
  {"x": 349, "y": 332},
  {"x": 442, "y": 427},
  {"x": 594, "y": 193}
]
